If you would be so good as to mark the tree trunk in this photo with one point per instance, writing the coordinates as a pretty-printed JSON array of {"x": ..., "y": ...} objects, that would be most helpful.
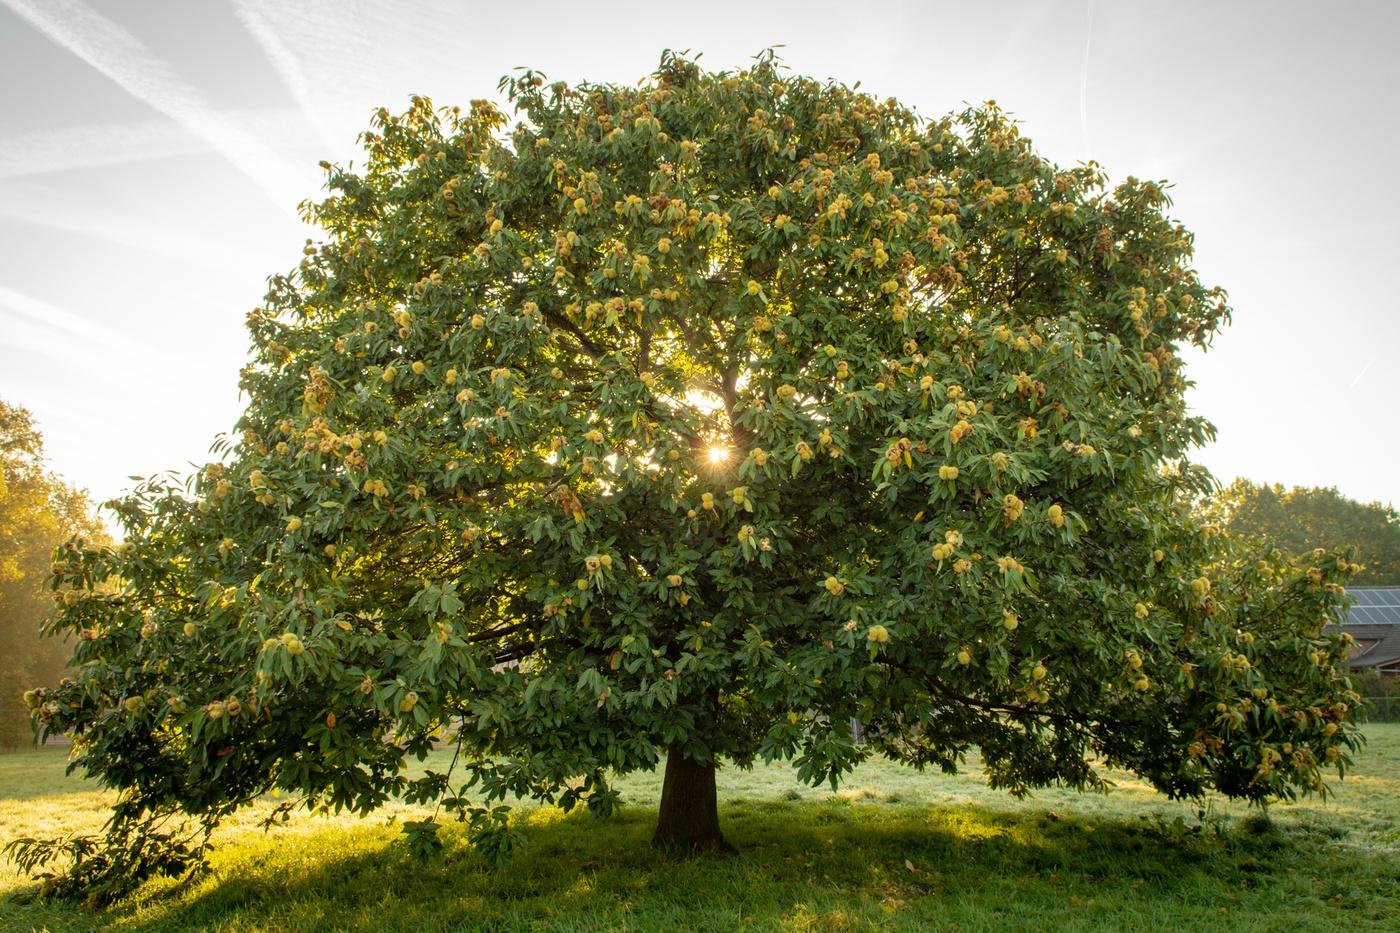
[{"x": 689, "y": 817}]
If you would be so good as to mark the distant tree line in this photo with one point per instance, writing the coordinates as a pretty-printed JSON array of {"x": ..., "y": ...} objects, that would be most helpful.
[
  {"x": 1303, "y": 518},
  {"x": 38, "y": 512}
]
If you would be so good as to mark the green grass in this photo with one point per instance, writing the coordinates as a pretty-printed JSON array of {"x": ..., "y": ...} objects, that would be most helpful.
[{"x": 893, "y": 849}]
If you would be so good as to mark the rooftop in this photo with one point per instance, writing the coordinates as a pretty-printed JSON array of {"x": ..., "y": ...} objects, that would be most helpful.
[{"x": 1374, "y": 621}]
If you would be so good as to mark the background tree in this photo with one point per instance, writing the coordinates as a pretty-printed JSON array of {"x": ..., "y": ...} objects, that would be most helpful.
[
  {"x": 38, "y": 512},
  {"x": 698, "y": 418},
  {"x": 1303, "y": 517}
]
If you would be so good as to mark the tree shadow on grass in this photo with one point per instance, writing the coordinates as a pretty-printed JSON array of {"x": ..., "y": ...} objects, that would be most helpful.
[{"x": 809, "y": 865}]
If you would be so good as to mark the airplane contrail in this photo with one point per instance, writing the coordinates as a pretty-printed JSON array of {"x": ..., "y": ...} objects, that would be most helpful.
[
  {"x": 285, "y": 62},
  {"x": 120, "y": 56},
  {"x": 63, "y": 148},
  {"x": 1359, "y": 375},
  {"x": 60, "y": 319}
]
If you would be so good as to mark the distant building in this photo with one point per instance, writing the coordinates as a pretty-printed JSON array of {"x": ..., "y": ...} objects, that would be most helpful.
[{"x": 1374, "y": 621}]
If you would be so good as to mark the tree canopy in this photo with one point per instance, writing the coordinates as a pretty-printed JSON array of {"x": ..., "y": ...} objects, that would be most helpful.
[
  {"x": 704, "y": 418},
  {"x": 1304, "y": 517},
  {"x": 38, "y": 512}
]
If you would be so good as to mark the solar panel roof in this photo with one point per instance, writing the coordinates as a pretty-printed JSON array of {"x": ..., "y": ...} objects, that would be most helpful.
[
  {"x": 1387, "y": 597},
  {"x": 1374, "y": 617},
  {"x": 1375, "y": 605},
  {"x": 1378, "y": 605}
]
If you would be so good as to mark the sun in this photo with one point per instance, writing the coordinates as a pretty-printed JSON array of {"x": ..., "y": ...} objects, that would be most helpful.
[{"x": 719, "y": 454}]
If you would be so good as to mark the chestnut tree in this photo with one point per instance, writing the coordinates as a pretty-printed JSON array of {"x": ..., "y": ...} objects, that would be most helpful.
[{"x": 701, "y": 419}]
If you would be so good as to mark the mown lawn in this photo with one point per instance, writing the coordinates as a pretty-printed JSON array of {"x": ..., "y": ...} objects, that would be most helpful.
[{"x": 892, "y": 849}]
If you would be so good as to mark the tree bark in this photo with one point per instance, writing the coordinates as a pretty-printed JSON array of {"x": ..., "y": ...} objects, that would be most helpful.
[{"x": 689, "y": 817}]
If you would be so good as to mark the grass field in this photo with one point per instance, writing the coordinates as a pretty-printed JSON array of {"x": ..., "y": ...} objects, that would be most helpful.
[{"x": 893, "y": 849}]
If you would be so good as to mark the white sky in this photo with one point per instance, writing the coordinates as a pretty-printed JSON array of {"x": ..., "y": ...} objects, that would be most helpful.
[{"x": 152, "y": 153}]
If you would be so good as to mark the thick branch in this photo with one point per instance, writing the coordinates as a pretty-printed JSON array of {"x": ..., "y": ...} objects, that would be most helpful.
[
  {"x": 937, "y": 687},
  {"x": 516, "y": 653},
  {"x": 503, "y": 631},
  {"x": 589, "y": 347}
]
